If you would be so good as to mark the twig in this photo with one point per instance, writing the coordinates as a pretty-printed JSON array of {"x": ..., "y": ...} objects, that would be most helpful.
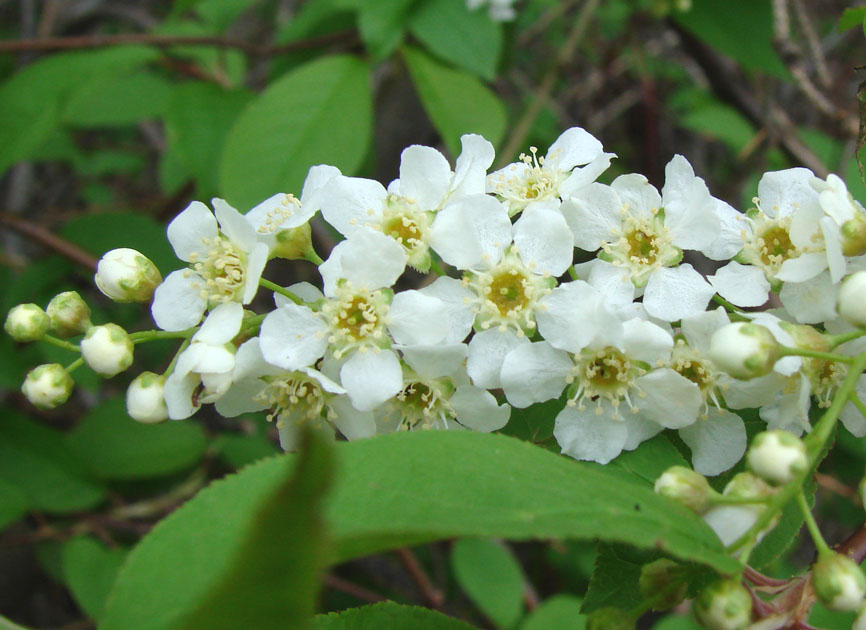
[
  {"x": 855, "y": 546},
  {"x": 433, "y": 595},
  {"x": 49, "y": 240},
  {"x": 834, "y": 485},
  {"x": 814, "y": 44},
  {"x": 164, "y": 41},
  {"x": 339, "y": 584}
]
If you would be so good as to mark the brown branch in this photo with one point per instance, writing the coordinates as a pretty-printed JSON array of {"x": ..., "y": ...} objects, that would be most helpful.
[
  {"x": 855, "y": 546},
  {"x": 164, "y": 41},
  {"x": 834, "y": 485},
  {"x": 433, "y": 595},
  {"x": 339, "y": 584},
  {"x": 51, "y": 241}
]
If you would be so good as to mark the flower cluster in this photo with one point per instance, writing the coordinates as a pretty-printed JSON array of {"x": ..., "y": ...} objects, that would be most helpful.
[{"x": 625, "y": 341}]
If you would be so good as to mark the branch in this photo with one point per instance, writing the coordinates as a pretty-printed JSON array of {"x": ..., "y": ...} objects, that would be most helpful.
[
  {"x": 49, "y": 240},
  {"x": 165, "y": 41}
]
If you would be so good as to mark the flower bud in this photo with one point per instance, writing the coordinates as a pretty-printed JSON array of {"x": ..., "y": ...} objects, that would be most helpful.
[
  {"x": 107, "y": 349},
  {"x": 685, "y": 486},
  {"x": 27, "y": 322},
  {"x": 663, "y": 576},
  {"x": 853, "y": 233},
  {"x": 744, "y": 350},
  {"x": 860, "y": 621},
  {"x": 610, "y": 618},
  {"x": 48, "y": 385},
  {"x": 777, "y": 456},
  {"x": 69, "y": 314},
  {"x": 838, "y": 581},
  {"x": 293, "y": 243},
  {"x": 145, "y": 398},
  {"x": 724, "y": 605},
  {"x": 126, "y": 275},
  {"x": 851, "y": 303}
]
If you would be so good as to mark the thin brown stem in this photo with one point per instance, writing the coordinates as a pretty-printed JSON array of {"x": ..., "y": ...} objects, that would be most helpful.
[
  {"x": 339, "y": 584},
  {"x": 434, "y": 596},
  {"x": 51, "y": 241}
]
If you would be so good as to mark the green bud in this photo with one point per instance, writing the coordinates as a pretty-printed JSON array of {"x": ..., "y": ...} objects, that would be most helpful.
[
  {"x": 127, "y": 275},
  {"x": 838, "y": 581},
  {"x": 777, "y": 456},
  {"x": 27, "y": 322},
  {"x": 724, "y": 605},
  {"x": 293, "y": 243},
  {"x": 107, "y": 349},
  {"x": 610, "y": 618},
  {"x": 744, "y": 350},
  {"x": 853, "y": 233},
  {"x": 69, "y": 314},
  {"x": 48, "y": 386},
  {"x": 663, "y": 576},
  {"x": 851, "y": 302},
  {"x": 685, "y": 486}
]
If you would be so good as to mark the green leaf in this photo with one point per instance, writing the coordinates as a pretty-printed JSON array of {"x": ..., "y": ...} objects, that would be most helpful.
[
  {"x": 110, "y": 100},
  {"x": 89, "y": 569},
  {"x": 456, "y": 102},
  {"x": 615, "y": 577},
  {"x": 467, "y": 39},
  {"x": 241, "y": 450},
  {"x": 381, "y": 24},
  {"x": 675, "y": 621},
  {"x": 783, "y": 535},
  {"x": 318, "y": 113},
  {"x": 251, "y": 562},
  {"x": 117, "y": 447},
  {"x": 34, "y": 458},
  {"x": 750, "y": 44},
  {"x": 197, "y": 121},
  {"x": 535, "y": 423},
  {"x": 491, "y": 577},
  {"x": 13, "y": 504},
  {"x": 649, "y": 460},
  {"x": 560, "y": 612},
  {"x": 390, "y": 616},
  {"x": 851, "y": 17},
  {"x": 32, "y": 100}
]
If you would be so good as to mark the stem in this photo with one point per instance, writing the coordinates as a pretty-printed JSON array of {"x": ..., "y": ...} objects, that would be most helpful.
[
  {"x": 61, "y": 343},
  {"x": 271, "y": 286},
  {"x": 854, "y": 398},
  {"x": 736, "y": 313},
  {"x": 436, "y": 267},
  {"x": 572, "y": 273},
  {"x": 143, "y": 336},
  {"x": 785, "y": 351},
  {"x": 182, "y": 347},
  {"x": 721, "y": 499},
  {"x": 838, "y": 340},
  {"x": 814, "y": 443},
  {"x": 811, "y": 525},
  {"x": 75, "y": 365},
  {"x": 313, "y": 257}
]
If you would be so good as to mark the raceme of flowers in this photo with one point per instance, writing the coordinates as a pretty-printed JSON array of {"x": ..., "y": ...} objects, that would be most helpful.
[{"x": 632, "y": 342}]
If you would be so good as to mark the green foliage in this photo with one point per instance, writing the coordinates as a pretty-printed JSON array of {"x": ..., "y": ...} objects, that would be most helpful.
[
  {"x": 615, "y": 577},
  {"x": 456, "y": 102},
  {"x": 36, "y": 460},
  {"x": 318, "y": 113},
  {"x": 13, "y": 504},
  {"x": 249, "y": 563},
  {"x": 382, "y": 23},
  {"x": 560, "y": 612},
  {"x": 109, "y": 100},
  {"x": 649, "y": 460},
  {"x": 491, "y": 577},
  {"x": 117, "y": 447},
  {"x": 467, "y": 39},
  {"x": 387, "y": 615},
  {"x": 89, "y": 569}
]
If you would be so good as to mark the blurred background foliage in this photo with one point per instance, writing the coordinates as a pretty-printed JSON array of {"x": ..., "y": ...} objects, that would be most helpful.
[{"x": 114, "y": 116}]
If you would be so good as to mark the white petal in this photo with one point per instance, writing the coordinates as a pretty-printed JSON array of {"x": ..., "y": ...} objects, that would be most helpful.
[
  {"x": 352, "y": 423},
  {"x": 729, "y": 240},
  {"x": 178, "y": 395},
  {"x": 670, "y": 400},
  {"x": 318, "y": 177},
  {"x": 646, "y": 341},
  {"x": 221, "y": 325},
  {"x": 851, "y": 416},
  {"x": 234, "y": 225},
  {"x": 786, "y": 192},
  {"x": 639, "y": 430},
  {"x": 487, "y": 351},
  {"x": 614, "y": 282},
  {"x": 572, "y": 315},
  {"x": 477, "y": 409},
  {"x": 812, "y": 301},
  {"x": 256, "y": 262},
  {"x": 371, "y": 378},
  {"x": 425, "y": 176},
  {"x": 585, "y": 435},
  {"x": 751, "y": 394},
  {"x": 574, "y": 147},
  {"x": 241, "y": 398},
  {"x": 730, "y": 521},
  {"x": 717, "y": 442},
  {"x": 689, "y": 207},
  {"x": 350, "y": 203},
  {"x": 307, "y": 292},
  {"x": 177, "y": 302},
  {"x": 803, "y": 267},
  {"x": 534, "y": 373},
  {"x": 833, "y": 246},
  {"x": 593, "y": 214},
  {"x": 585, "y": 175},
  {"x": 202, "y": 358},
  {"x": 470, "y": 170},
  {"x": 637, "y": 194},
  {"x": 743, "y": 285},
  {"x": 435, "y": 361},
  {"x": 699, "y": 329},
  {"x": 188, "y": 230},
  {"x": 293, "y": 337},
  {"x": 676, "y": 292},
  {"x": 369, "y": 260},
  {"x": 416, "y": 318},
  {"x": 261, "y": 216},
  {"x": 471, "y": 232},
  {"x": 458, "y": 299},
  {"x": 544, "y": 240}
]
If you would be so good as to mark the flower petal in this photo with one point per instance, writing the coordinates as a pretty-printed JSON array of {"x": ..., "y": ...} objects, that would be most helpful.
[
  {"x": 418, "y": 319},
  {"x": 588, "y": 436},
  {"x": 369, "y": 260},
  {"x": 533, "y": 373},
  {"x": 487, "y": 351},
  {"x": 477, "y": 409},
  {"x": 425, "y": 176},
  {"x": 573, "y": 147},
  {"x": 743, "y": 285},
  {"x": 670, "y": 400},
  {"x": 234, "y": 225},
  {"x": 458, "y": 299},
  {"x": 371, "y": 378},
  {"x": 435, "y": 361},
  {"x": 812, "y": 301},
  {"x": 190, "y": 228},
  {"x": 593, "y": 214},
  {"x": 353, "y": 424},
  {"x": 717, "y": 442},
  {"x": 221, "y": 325},
  {"x": 293, "y": 337},
  {"x": 673, "y": 293},
  {"x": 470, "y": 170},
  {"x": 471, "y": 232},
  {"x": 350, "y": 203},
  {"x": 543, "y": 239},
  {"x": 177, "y": 302}
]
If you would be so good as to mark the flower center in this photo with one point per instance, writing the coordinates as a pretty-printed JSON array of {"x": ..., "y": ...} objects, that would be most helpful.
[
  {"x": 295, "y": 397},
  {"x": 407, "y": 224},
  {"x": 688, "y": 363},
  {"x": 423, "y": 405},
  {"x": 826, "y": 377},
  {"x": 600, "y": 375},
  {"x": 534, "y": 183},
  {"x": 642, "y": 245},
  {"x": 769, "y": 245},
  {"x": 221, "y": 271},
  {"x": 278, "y": 215},
  {"x": 356, "y": 318}
]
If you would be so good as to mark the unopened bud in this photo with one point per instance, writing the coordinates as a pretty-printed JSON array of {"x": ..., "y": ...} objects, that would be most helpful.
[
  {"x": 126, "y": 275},
  {"x": 663, "y": 582},
  {"x": 852, "y": 299},
  {"x": 860, "y": 621},
  {"x": 724, "y": 605},
  {"x": 145, "y": 398},
  {"x": 853, "y": 234},
  {"x": 838, "y": 581},
  {"x": 685, "y": 486},
  {"x": 744, "y": 350},
  {"x": 48, "y": 385},
  {"x": 69, "y": 314},
  {"x": 777, "y": 456},
  {"x": 27, "y": 322},
  {"x": 610, "y": 618},
  {"x": 107, "y": 349},
  {"x": 293, "y": 243}
]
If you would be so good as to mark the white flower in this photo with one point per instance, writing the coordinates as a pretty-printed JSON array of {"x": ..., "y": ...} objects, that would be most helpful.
[
  {"x": 845, "y": 219},
  {"x": 405, "y": 211},
  {"x": 226, "y": 263},
  {"x": 107, "y": 349},
  {"x": 553, "y": 176},
  {"x": 203, "y": 371},
  {"x": 126, "y": 275},
  {"x": 145, "y": 398},
  {"x": 777, "y": 456},
  {"x": 498, "y": 10}
]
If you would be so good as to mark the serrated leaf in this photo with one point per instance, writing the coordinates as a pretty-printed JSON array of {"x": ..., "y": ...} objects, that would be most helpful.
[
  {"x": 560, "y": 612},
  {"x": 109, "y": 101},
  {"x": 614, "y": 580},
  {"x": 390, "y": 616},
  {"x": 115, "y": 446},
  {"x": 456, "y": 102},
  {"x": 381, "y": 24},
  {"x": 320, "y": 113},
  {"x": 89, "y": 569},
  {"x": 491, "y": 577},
  {"x": 13, "y": 504},
  {"x": 34, "y": 458},
  {"x": 249, "y": 563},
  {"x": 467, "y": 39}
]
